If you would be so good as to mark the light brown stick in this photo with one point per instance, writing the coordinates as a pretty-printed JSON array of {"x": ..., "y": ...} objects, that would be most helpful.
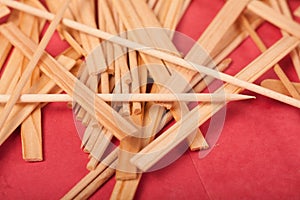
[
  {"x": 4, "y": 11},
  {"x": 278, "y": 86},
  {"x": 4, "y": 50},
  {"x": 31, "y": 128}
]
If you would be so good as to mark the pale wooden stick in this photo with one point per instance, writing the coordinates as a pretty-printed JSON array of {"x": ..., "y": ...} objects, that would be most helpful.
[
  {"x": 92, "y": 175},
  {"x": 31, "y": 128},
  {"x": 162, "y": 145},
  {"x": 4, "y": 11},
  {"x": 135, "y": 85},
  {"x": 162, "y": 55},
  {"x": 37, "y": 55},
  {"x": 158, "y": 6},
  {"x": 173, "y": 16},
  {"x": 85, "y": 97},
  {"x": 185, "y": 7},
  {"x": 297, "y": 12},
  {"x": 278, "y": 86},
  {"x": 184, "y": 97},
  {"x": 4, "y": 50}
]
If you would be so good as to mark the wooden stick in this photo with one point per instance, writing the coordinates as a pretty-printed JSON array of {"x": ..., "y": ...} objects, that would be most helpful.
[
  {"x": 4, "y": 50},
  {"x": 85, "y": 97},
  {"x": 185, "y": 7},
  {"x": 29, "y": 69},
  {"x": 278, "y": 86},
  {"x": 4, "y": 11},
  {"x": 31, "y": 128},
  {"x": 152, "y": 3},
  {"x": 135, "y": 85},
  {"x": 173, "y": 16},
  {"x": 162, "y": 145},
  {"x": 165, "y": 56},
  {"x": 188, "y": 97}
]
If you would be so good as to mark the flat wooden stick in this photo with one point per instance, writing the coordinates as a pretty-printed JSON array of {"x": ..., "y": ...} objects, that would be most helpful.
[
  {"x": 33, "y": 62},
  {"x": 151, "y": 3},
  {"x": 278, "y": 86},
  {"x": 4, "y": 11},
  {"x": 166, "y": 56},
  {"x": 85, "y": 97},
  {"x": 31, "y": 128},
  {"x": 4, "y": 50},
  {"x": 162, "y": 145}
]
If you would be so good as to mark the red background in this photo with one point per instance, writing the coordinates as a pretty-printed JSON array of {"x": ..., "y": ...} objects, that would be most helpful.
[{"x": 256, "y": 157}]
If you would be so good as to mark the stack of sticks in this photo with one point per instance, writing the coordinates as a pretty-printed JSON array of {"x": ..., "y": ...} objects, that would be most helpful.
[{"x": 127, "y": 79}]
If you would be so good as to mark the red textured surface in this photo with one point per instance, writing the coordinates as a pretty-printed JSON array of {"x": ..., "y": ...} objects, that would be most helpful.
[{"x": 256, "y": 157}]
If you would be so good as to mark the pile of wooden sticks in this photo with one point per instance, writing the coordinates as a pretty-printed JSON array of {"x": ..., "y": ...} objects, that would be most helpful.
[{"x": 123, "y": 73}]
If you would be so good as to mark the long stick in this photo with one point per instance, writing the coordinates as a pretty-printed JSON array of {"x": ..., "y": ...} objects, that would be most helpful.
[
  {"x": 161, "y": 55},
  {"x": 33, "y": 62},
  {"x": 38, "y": 98}
]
